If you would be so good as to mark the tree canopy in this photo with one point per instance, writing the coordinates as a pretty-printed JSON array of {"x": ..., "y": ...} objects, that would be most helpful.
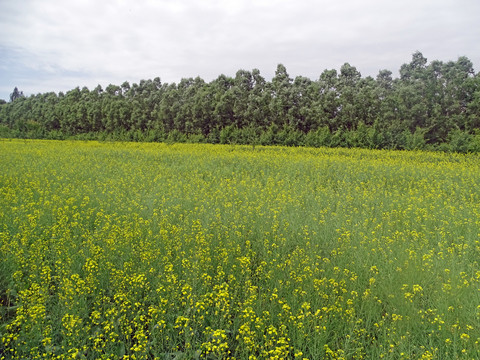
[
  {"x": 16, "y": 94},
  {"x": 434, "y": 105}
]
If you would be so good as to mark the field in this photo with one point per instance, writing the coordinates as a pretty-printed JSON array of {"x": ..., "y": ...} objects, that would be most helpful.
[{"x": 142, "y": 251}]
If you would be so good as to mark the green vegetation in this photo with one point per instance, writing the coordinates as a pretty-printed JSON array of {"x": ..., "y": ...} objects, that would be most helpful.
[
  {"x": 188, "y": 251},
  {"x": 432, "y": 106}
]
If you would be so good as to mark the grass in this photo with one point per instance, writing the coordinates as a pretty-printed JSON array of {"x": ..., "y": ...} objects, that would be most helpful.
[{"x": 142, "y": 251}]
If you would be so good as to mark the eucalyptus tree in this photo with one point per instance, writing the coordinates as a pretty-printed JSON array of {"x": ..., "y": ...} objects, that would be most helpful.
[
  {"x": 282, "y": 99},
  {"x": 348, "y": 87},
  {"x": 16, "y": 94},
  {"x": 385, "y": 93},
  {"x": 166, "y": 109},
  {"x": 243, "y": 85},
  {"x": 223, "y": 112},
  {"x": 303, "y": 114},
  {"x": 473, "y": 107},
  {"x": 259, "y": 98},
  {"x": 328, "y": 104},
  {"x": 203, "y": 107}
]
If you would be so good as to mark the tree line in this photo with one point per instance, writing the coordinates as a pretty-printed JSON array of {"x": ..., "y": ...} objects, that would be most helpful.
[{"x": 432, "y": 105}]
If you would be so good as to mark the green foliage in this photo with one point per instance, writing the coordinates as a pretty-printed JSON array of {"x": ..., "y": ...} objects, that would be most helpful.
[
  {"x": 475, "y": 142},
  {"x": 422, "y": 108},
  {"x": 319, "y": 137},
  {"x": 196, "y": 138},
  {"x": 214, "y": 136},
  {"x": 16, "y": 94},
  {"x": 227, "y": 135},
  {"x": 176, "y": 136},
  {"x": 460, "y": 141},
  {"x": 6, "y": 132},
  {"x": 268, "y": 137},
  {"x": 290, "y": 136},
  {"x": 415, "y": 141}
]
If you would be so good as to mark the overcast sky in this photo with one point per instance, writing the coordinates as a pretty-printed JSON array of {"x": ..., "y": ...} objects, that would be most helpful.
[{"x": 56, "y": 45}]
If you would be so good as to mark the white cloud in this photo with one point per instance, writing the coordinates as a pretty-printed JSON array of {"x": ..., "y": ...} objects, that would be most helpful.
[{"x": 111, "y": 41}]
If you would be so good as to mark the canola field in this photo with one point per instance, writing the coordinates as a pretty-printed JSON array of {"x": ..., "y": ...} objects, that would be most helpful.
[{"x": 177, "y": 251}]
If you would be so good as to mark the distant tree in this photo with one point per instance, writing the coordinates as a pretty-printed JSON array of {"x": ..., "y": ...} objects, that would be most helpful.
[
  {"x": 384, "y": 83},
  {"x": 434, "y": 105},
  {"x": 328, "y": 100},
  {"x": 415, "y": 69},
  {"x": 258, "y": 101},
  {"x": 303, "y": 113},
  {"x": 388, "y": 101},
  {"x": 243, "y": 85},
  {"x": 16, "y": 94},
  {"x": 125, "y": 87},
  {"x": 349, "y": 86},
  {"x": 282, "y": 100}
]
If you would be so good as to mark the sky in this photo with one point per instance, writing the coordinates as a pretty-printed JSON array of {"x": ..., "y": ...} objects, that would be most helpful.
[{"x": 57, "y": 45}]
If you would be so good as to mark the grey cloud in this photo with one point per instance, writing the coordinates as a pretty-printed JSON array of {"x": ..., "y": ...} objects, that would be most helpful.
[{"x": 112, "y": 40}]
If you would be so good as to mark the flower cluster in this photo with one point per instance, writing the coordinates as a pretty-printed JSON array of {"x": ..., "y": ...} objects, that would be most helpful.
[{"x": 154, "y": 251}]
